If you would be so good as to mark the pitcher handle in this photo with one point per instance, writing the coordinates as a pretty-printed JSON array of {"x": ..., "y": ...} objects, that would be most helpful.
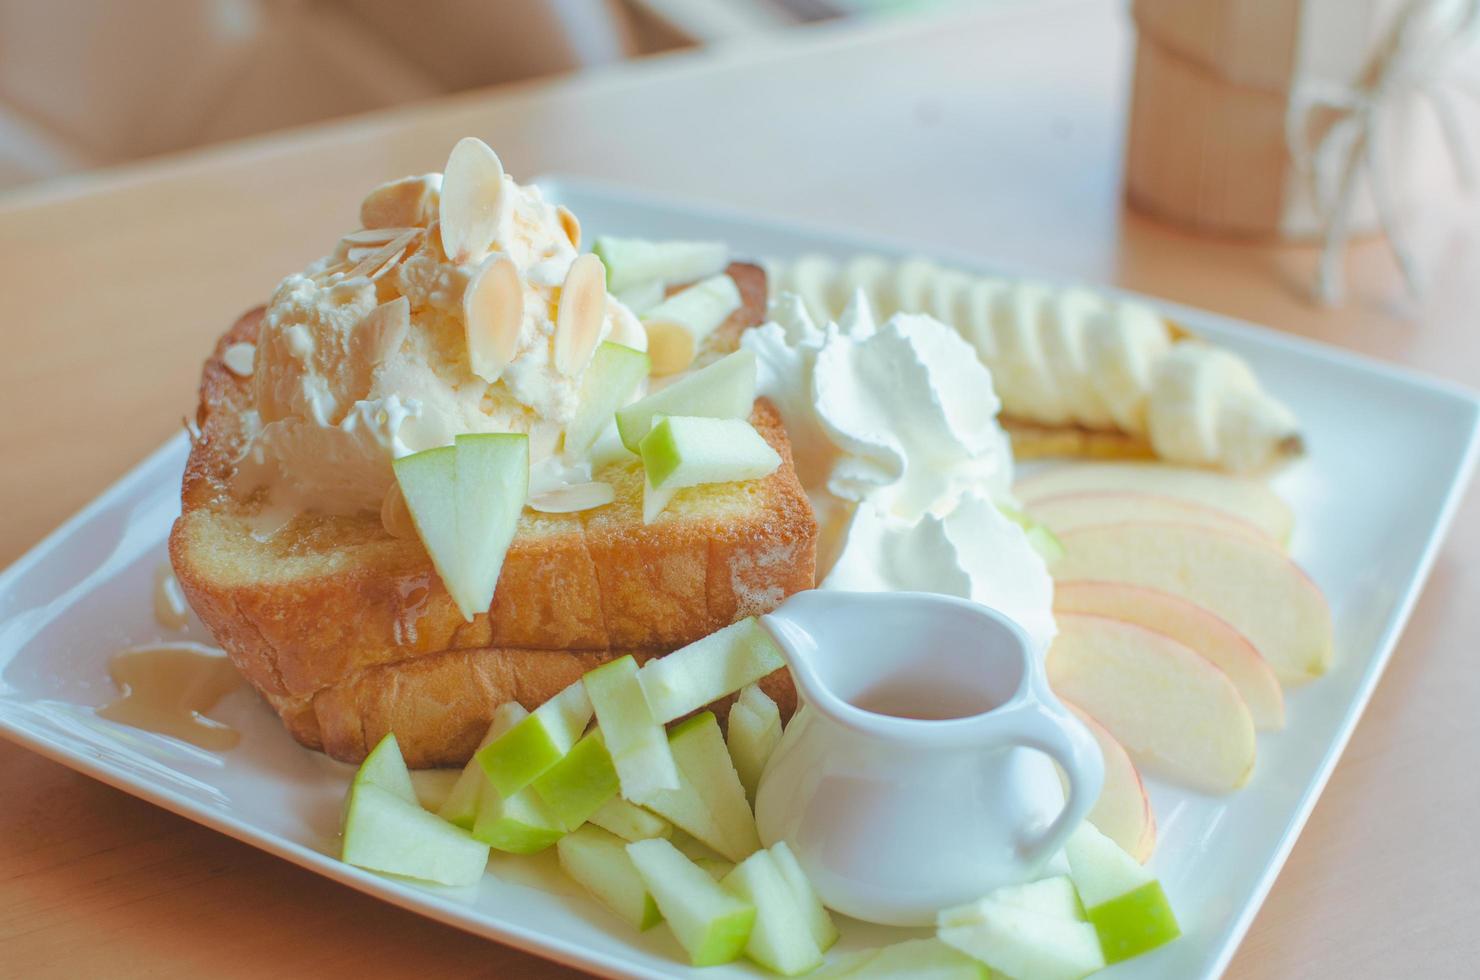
[{"x": 1041, "y": 722}]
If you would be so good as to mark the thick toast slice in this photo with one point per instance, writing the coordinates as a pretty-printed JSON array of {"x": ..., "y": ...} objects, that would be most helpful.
[{"x": 316, "y": 605}]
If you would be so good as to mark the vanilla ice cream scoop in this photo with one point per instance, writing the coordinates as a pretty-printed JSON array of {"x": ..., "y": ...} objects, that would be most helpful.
[{"x": 462, "y": 306}]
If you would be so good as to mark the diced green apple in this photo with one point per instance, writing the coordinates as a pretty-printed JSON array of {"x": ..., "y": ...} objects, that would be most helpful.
[
  {"x": 1023, "y": 943},
  {"x": 428, "y": 482},
  {"x": 919, "y": 959},
  {"x": 824, "y": 932},
  {"x": 706, "y": 670},
  {"x": 710, "y": 923},
  {"x": 722, "y": 390},
  {"x": 383, "y": 832},
  {"x": 753, "y": 731},
  {"x": 519, "y": 756},
  {"x": 1125, "y": 903},
  {"x": 689, "y": 450},
  {"x": 613, "y": 375},
  {"x": 637, "y": 742},
  {"x": 710, "y": 802},
  {"x": 655, "y": 501},
  {"x": 629, "y": 821},
  {"x": 579, "y": 784},
  {"x": 517, "y": 824},
  {"x": 643, "y": 297},
  {"x": 461, "y": 805},
  {"x": 386, "y": 768},
  {"x": 634, "y": 261},
  {"x": 780, "y": 940},
  {"x": 678, "y": 325},
  {"x": 598, "y": 861},
  {"x": 1056, "y": 897},
  {"x": 848, "y": 964}
]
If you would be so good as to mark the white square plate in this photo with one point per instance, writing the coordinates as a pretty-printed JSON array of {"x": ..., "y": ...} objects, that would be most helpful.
[{"x": 1390, "y": 454}]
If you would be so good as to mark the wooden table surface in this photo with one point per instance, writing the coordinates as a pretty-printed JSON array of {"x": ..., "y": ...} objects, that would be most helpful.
[{"x": 995, "y": 133}]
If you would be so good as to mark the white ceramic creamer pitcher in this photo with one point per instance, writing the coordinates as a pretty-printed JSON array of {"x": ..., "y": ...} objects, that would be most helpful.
[{"x": 916, "y": 774}]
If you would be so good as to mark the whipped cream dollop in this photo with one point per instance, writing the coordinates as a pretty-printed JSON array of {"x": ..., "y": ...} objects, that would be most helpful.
[
  {"x": 895, "y": 437},
  {"x": 1071, "y": 356},
  {"x": 363, "y": 357}
]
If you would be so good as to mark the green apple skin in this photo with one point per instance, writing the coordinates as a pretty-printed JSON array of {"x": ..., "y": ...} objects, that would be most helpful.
[
  {"x": 722, "y": 390},
  {"x": 519, "y": 824},
  {"x": 383, "y": 832},
  {"x": 688, "y": 451},
  {"x": 461, "y": 806},
  {"x": 780, "y": 940},
  {"x": 629, "y": 821},
  {"x": 709, "y": 669},
  {"x": 579, "y": 784},
  {"x": 636, "y": 261},
  {"x": 520, "y": 755},
  {"x": 385, "y": 767},
  {"x": 638, "y": 745},
  {"x": 710, "y": 923},
  {"x": 614, "y": 374},
  {"x": 1136, "y": 922},
  {"x": 598, "y": 861}
]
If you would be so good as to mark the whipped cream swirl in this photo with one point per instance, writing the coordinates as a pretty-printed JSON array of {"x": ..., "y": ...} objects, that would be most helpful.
[{"x": 895, "y": 437}]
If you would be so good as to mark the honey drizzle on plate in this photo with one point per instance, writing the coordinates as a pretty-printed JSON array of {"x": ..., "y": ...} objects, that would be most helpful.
[{"x": 167, "y": 687}]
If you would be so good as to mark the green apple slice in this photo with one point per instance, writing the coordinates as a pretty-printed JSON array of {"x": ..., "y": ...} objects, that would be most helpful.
[
  {"x": 385, "y": 767},
  {"x": 655, "y": 501},
  {"x": 630, "y": 821},
  {"x": 383, "y": 832},
  {"x": 598, "y": 861},
  {"x": 461, "y": 805},
  {"x": 710, "y": 802},
  {"x": 918, "y": 959},
  {"x": 687, "y": 451},
  {"x": 848, "y": 964},
  {"x": 428, "y": 482},
  {"x": 780, "y": 940},
  {"x": 677, "y": 326},
  {"x": 1056, "y": 897},
  {"x": 492, "y": 486},
  {"x": 752, "y": 733},
  {"x": 613, "y": 375},
  {"x": 637, "y": 742},
  {"x": 1023, "y": 943},
  {"x": 518, "y": 824},
  {"x": 519, "y": 756},
  {"x": 1125, "y": 903},
  {"x": 706, "y": 670},
  {"x": 710, "y": 923},
  {"x": 824, "y": 932},
  {"x": 579, "y": 784},
  {"x": 722, "y": 390},
  {"x": 634, "y": 261}
]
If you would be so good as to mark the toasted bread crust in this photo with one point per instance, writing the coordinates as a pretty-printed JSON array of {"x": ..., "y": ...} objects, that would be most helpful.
[{"x": 339, "y": 624}]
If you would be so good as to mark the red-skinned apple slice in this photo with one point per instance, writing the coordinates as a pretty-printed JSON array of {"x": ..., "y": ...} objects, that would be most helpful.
[
  {"x": 1175, "y": 713},
  {"x": 1255, "y": 587},
  {"x": 1242, "y": 497},
  {"x": 1123, "y": 812},
  {"x": 1070, "y": 511},
  {"x": 1192, "y": 626}
]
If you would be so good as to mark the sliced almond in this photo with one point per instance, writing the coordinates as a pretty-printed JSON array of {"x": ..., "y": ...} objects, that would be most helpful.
[
  {"x": 493, "y": 313},
  {"x": 359, "y": 253},
  {"x": 572, "y": 498},
  {"x": 382, "y": 331},
  {"x": 472, "y": 190},
  {"x": 240, "y": 359},
  {"x": 394, "y": 516},
  {"x": 670, "y": 347},
  {"x": 371, "y": 236},
  {"x": 377, "y": 262},
  {"x": 401, "y": 203},
  {"x": 578, "y": 320},
  {"x": 569, "y": 224}
]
